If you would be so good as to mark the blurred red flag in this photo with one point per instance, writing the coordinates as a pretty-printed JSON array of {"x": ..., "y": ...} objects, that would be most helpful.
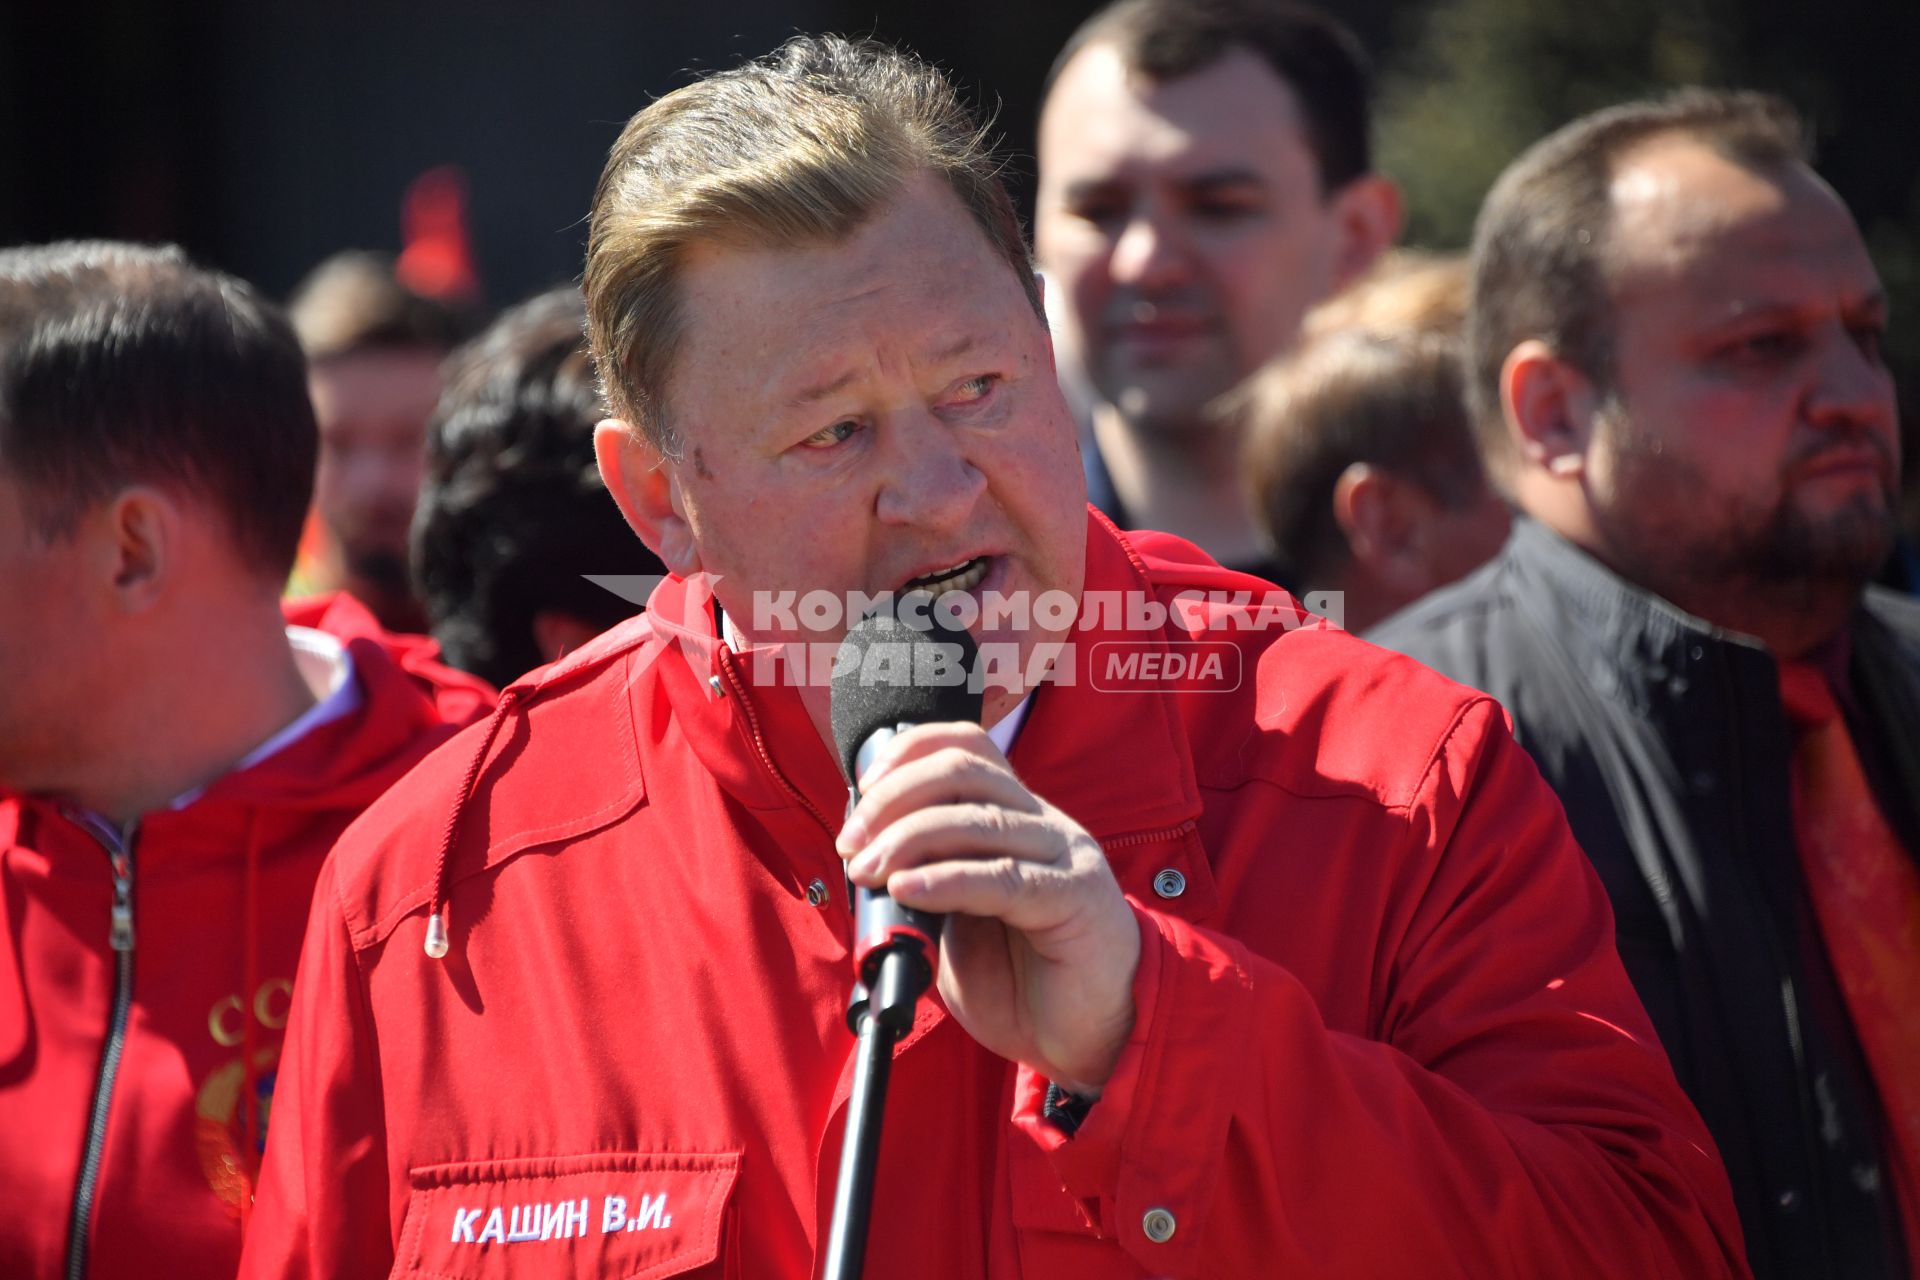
[{"x": 436, "y": 258}]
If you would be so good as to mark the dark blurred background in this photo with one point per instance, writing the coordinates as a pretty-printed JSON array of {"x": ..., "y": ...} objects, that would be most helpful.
[{"x": 264, "y": 135}]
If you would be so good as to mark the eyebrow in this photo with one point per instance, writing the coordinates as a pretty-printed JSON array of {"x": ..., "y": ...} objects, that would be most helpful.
[
  {"x": 1237, "y": 176},
  {"x": 820, "y": 391},
  {"x": 1205, "y": 180},
  {"x": 953, "y": 350},
  {"x": 1873, "y": 302}
]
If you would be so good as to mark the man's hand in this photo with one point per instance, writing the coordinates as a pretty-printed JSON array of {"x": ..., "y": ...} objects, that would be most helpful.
[{"x": 1040, "y": 948}]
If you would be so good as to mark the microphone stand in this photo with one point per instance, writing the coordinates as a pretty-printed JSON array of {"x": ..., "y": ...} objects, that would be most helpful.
[{"x": 895, "y": 949}]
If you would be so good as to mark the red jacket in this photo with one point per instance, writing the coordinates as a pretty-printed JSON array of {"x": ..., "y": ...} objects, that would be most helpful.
[
  {"x": 218, "y": 890},
  {"x": 1381, "y": 1028},
  {"x": 459, "y": 697}
]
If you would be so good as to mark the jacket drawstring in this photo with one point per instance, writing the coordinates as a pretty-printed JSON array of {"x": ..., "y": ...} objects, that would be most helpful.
[
  {"x": 249, "y": 1067},
  {"x": 436, "y": 946}
]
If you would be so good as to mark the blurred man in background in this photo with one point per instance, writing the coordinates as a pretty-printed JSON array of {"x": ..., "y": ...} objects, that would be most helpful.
[
  {"x": 514, "y": 514},
  {"x": 1205, "y": 178},
  {"x": 1362, "y": 462},
  {"x": 374, "y": 349},
  {"x": 1676, "y": 373},
  {"x": 1359, "y": 452},
  {"x": 175, "y": 760}
]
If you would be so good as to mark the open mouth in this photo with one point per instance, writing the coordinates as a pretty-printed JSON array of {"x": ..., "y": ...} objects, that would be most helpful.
[{"x": 964, "y": 576}]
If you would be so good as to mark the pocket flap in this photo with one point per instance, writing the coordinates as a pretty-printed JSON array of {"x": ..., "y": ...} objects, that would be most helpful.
[{"x": 631, "y": 1215}]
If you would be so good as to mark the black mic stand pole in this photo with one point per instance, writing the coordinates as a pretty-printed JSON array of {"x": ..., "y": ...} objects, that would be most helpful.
[{"x": 896, "y": 968}]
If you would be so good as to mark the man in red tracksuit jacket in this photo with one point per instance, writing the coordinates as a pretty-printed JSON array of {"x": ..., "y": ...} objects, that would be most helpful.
[
  {"x": 175, "y": 760},
  {"x": 1284, "y": 966}
]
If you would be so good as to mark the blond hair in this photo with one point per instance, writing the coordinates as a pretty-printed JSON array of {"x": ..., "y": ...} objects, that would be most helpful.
[
  {"x": 799, "y": 147},
  {"x": 1394, "y": 400},
  {"x": 1407, "y": 291}
]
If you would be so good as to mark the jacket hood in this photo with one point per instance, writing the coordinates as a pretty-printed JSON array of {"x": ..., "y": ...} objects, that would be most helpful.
[
  {"x": 409, "y": 703},
  {"x": 345, "y": 763}
]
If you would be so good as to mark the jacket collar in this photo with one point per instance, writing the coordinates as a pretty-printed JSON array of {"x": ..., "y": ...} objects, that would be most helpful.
[
  {"x": 1623, "y": 637},
  {"x": 1117, "y": 762}
]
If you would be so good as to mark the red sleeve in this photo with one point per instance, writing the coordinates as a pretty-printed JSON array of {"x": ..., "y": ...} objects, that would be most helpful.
[
  {"x": 323, "y": 1208},
  {"x": 1515, "y": 1117}
]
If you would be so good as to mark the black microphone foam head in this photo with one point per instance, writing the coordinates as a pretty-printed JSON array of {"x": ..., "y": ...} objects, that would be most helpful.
[{"x": 891, "y": 670}]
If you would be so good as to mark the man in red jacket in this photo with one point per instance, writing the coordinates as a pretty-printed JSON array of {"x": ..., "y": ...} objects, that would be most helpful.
[
  {"x": 1290, "y": 967},
  {"x": 175, "y": 759}
]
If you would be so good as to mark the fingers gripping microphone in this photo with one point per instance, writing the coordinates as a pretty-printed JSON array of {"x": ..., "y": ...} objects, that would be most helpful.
[{"x": 891, "y": 674}]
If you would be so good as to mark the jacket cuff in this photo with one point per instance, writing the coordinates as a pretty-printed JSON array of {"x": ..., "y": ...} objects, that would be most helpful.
[{"x": 1154, "y": 1139}]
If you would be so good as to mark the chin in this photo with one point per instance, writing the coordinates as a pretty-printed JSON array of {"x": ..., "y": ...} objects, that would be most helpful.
[
  {"x": 1165, "y": 405},
  {"x": 1845, "y": 545}
]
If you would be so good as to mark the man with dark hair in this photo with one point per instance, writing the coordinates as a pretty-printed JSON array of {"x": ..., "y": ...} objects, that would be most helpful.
[
  {"x": 1676, "y": 372},
  {"x": 1205, "y": 177},
  {"x": 514, "y": 513},
  {"x": 1296, "y": 974},
  {"x": 374, "y": 349},
  {"x": 175, "y": 759}
]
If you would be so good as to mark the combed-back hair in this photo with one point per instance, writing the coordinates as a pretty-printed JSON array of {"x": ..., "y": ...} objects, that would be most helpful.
[
  {"x": 800, "y": 147},
  {"x": 125, "y": 364}
]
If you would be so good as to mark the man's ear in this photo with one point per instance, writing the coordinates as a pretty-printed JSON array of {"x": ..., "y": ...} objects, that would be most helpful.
[
  {"x": 1549, "y": 406},
  {"x": 645, "y": 487},
  {"x": 137, "y": 533},
  {"x": 1368, "y": 213},
  {"x": 1385, "y": 518}
]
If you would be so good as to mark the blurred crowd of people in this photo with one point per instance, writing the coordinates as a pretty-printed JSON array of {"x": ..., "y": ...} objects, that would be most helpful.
[{"x": 1631, "y": 464}]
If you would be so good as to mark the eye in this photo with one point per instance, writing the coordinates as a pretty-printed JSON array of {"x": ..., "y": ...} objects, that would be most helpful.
[
  {"x": 1225, "y": 208},
  {"x": 1101, "y": 210},
  {"x": 1766, "y": 347},
  {"x": 974, "y": 390},
  {"x": 838, "y": 433}
]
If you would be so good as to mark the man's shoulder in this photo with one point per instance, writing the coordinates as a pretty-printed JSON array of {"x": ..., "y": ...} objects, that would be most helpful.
[
  {"x": 1337, "y": 716},
  {"x": 1481, "y": 601},
  {"x": 559, "y": 758},
  {"x": 1313, "y": 708}
]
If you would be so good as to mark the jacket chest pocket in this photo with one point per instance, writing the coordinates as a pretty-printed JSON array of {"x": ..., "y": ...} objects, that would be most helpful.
[
  {"x": 633, "y": 1215},
  {"x": 1054, "y": 1233}
]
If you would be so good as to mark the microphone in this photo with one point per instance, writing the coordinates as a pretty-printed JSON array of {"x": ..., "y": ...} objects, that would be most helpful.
[{"x": 892, "y": 673}]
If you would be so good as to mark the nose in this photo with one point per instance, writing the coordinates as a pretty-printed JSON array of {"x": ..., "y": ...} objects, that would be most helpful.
[
  {"x": 1151, "y": 252},
  {"x": 929, "y": 481},
  {"x": 1852, "y": 388}
]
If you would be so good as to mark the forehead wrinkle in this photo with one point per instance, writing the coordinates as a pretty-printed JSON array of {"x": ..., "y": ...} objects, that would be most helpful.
[{"x": 949, "y": 350}]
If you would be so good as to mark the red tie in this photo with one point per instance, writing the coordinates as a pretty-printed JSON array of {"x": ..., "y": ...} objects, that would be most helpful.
[{"x": 1866, "y": 896}]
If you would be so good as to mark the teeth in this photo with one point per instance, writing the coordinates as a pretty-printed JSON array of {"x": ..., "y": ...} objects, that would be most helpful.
[{"x": 964, "y": 576}]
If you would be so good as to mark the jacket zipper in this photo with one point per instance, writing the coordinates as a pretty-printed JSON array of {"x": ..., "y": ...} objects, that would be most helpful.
[{"x": 119, "y": 849}]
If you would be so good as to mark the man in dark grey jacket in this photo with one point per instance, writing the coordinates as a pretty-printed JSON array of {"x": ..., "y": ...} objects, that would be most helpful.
[{"x": 1677, "y": 380}]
